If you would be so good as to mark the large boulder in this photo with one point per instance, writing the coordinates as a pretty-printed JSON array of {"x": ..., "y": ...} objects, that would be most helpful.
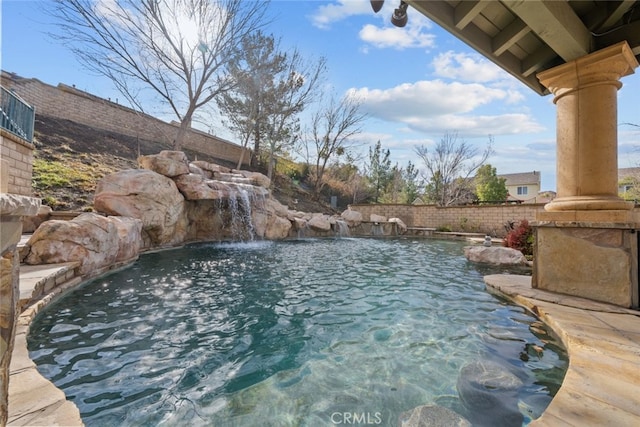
[
  {"x": 352, "y": 218},
  {"x": 402, "y": 227},
  {"x": 209, "y": 169},
  {"x": 90, "y": 239},
  {"x": 489, "y": 392},
  {"x": 196, "y": 187},
  {"x": 495, "y": 255},
  {"x": 377, "y": 218},
  {"x": 432, "y": 416},
  {"x": 270, "y": 220},
  {"x": 320, "y": 223},
  {"x": 129, "y": 237},
  {"x": 167, "y": 163},
  {"x": 148, "y": 196},
  {"x": 256, "y": 178}
]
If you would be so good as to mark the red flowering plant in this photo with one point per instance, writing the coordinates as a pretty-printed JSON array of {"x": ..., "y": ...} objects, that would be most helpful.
[{"x": 520, "y": 237}]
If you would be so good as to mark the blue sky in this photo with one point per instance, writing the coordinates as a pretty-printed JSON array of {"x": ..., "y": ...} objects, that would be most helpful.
[{"x": 416, "y": 83}]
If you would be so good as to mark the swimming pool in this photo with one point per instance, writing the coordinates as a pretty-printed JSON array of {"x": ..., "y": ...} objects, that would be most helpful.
[{"x": 303, "y": 332}]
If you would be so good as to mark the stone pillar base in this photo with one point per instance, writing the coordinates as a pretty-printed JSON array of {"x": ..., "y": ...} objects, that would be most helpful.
[
  {"x": 595, "y": 260},
  {"x": 588, "y": 203}
]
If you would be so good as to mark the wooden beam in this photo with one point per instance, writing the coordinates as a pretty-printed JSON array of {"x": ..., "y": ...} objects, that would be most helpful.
[
  {"x": 617, "y": 10},
  {"x": 465, "y": 11},
  {"x": 556, "y": 24},
  {"x": 509, "y": 36},
  {"x": 441, "y": 12},
  {"x": 537, "y": 60}
]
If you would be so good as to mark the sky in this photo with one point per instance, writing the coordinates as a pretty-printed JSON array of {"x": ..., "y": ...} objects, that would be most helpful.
[{"x": 416, "y": 84}]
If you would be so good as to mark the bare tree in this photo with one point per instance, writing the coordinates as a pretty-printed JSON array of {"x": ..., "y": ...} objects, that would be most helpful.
[
  {"x": 176, "y": 49},
  {"x": 451, "y": 165},
  {"x": 331, "y": 135}
]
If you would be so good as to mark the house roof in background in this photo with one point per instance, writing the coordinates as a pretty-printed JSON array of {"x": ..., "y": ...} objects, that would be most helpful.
[
  {"x": 628, "y": 173},
  {"x": 521, "y": 178}
]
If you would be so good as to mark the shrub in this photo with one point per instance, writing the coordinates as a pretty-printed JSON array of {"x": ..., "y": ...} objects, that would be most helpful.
[{"x": 520, "y": 237}]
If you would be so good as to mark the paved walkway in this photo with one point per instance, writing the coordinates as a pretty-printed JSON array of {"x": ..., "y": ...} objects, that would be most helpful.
[
  {"x": 34, "y": 400},
  {"x": 601, "y": 387}
]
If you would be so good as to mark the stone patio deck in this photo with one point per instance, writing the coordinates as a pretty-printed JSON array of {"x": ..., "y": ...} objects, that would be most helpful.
[{"x": 602, "y": 383}]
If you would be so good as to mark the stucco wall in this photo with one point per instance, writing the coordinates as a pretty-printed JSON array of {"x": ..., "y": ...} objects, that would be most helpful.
[
  {"x": 16, "y": 155},
  {"x": 69, "y": 103},
  {"x": 482, "y": 219}
]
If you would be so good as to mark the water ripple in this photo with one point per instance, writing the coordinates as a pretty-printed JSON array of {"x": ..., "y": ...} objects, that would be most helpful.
[{"x": 287, "y": 333}]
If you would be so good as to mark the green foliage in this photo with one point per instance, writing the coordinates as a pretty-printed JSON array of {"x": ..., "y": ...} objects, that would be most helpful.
[
  {"x": 520, "y": 237},
  {"x": 489, "y": 187},
  {"x": 379, "y": 170},
  {"x": 293, "y": 170},
  {"x": 55, "y": 174}
]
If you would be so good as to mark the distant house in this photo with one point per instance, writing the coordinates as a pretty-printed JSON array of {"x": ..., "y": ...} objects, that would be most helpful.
[
  {"x": 522, "y": 186},
  {"x": 629, "y": 183}
]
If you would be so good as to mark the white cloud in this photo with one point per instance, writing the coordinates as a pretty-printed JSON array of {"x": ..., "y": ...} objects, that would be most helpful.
[
  {"x": 326, "y": 15},
  {"x": 425, "y": 99},
  {"x": 466, "y": 67},
  {"x": 396, "y": 38},
  {"x": 434, "y": 107}
]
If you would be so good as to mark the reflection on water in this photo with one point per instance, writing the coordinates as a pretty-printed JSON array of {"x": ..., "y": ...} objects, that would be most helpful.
[{"x": 288, "y": 333}]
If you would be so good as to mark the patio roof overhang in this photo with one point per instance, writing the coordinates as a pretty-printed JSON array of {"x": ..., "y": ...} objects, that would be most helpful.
[{"x": 525, "y": 37}]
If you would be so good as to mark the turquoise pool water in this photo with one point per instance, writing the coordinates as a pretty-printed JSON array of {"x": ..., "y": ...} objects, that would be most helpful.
[{"x": 295, "y": 333}]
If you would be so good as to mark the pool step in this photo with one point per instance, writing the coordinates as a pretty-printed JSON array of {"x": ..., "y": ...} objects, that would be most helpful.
[{"x": 36, "y": 281}]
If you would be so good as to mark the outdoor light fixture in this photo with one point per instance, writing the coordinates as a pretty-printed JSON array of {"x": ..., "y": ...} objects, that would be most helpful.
[
  {"x": 399, "y": 17},
  {"x": 376, "y": 5}
]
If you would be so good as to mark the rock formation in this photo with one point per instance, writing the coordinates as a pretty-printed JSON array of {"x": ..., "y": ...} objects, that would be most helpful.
[
  {"x": 495, "y": 255},
  {"x": 169, "y": 202},
  {"x": 91, "y": 239}
]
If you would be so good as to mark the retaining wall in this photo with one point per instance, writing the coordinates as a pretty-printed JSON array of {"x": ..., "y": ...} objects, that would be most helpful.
[
  {"x": 16, "y": 158},
  {"x": 69, "y": 103},
  {"x": 489, "y": 219}
]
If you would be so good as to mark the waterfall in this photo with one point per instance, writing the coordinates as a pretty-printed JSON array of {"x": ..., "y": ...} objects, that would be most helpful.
[
  {"x": 239, "y": 203},
  {"x": 342, "y": 229},
  {"x": 377, "y": 229}
]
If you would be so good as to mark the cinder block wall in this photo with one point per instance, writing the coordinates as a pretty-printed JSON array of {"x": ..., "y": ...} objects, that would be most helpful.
[
  {"x": 69, "y": 103},
  {"x": 16, "y": 155},
  {"x": 481, "y": 219}
]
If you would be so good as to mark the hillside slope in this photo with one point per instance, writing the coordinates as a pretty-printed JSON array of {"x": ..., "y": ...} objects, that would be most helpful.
[{"x": 70, "y": 159}]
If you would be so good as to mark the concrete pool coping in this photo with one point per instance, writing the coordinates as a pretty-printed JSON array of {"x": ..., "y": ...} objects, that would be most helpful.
[
  {"x": 601, "y": 386},
  {"x": 602, "y": 382}
]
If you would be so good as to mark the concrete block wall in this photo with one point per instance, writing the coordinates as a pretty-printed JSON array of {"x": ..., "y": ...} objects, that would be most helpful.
[
  {"x": 16, "y": 155},
  {"x": 481, "y": 219},
  {"x": 69, "y": 103}
]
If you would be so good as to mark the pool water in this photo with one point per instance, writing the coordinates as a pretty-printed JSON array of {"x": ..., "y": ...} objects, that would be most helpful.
[{"x": 295, "y": 333}]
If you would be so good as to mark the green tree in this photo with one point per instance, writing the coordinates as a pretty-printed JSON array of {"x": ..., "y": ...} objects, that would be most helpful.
[
  {"x": 379, "y": 170},
  {"x": 490, "y": 187},
  {"x": 271, "y": 89},
  {"x": 412, "y": 183}
]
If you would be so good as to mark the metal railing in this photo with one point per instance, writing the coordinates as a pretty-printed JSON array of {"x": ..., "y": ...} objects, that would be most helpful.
[{"x": 18, "y": 117}]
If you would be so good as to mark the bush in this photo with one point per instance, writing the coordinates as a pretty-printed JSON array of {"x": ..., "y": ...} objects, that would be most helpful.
[{"x": 520, "y": 237}]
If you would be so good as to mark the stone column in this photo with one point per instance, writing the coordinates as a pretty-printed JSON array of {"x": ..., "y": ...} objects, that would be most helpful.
[
  {"x": 12, "y": 208},
  {"x": 585, "y": 93},
  {"x": 586, "y": 239}
]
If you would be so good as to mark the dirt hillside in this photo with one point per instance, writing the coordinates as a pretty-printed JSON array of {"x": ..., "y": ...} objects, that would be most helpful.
[{"x": 70, "y": 159}]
